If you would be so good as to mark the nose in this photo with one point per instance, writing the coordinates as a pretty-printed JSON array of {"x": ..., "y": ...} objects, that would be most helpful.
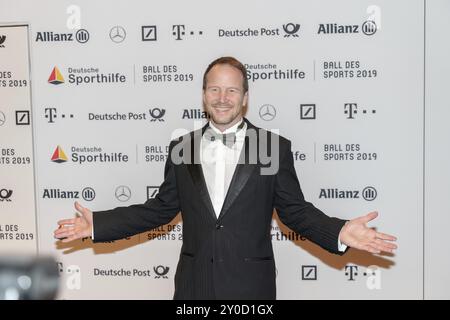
[{"x": 223, "y": 96}]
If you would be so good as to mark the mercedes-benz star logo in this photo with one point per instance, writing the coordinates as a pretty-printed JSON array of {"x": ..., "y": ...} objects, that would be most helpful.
[
  {"x": 2, "y": 118},
  {"x": 123, "y": 193},
  {"x": 267, "y": 112},
  {"x": 117, "y": 34}
]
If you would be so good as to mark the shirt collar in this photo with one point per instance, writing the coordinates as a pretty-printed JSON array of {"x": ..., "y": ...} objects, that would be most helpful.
[{"x": 232, "y": 129}]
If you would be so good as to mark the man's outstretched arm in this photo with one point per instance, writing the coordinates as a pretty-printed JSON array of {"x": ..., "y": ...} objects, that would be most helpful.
[
  {"x": 305, "y": 219},
  {"x": 122, "y": 222}
]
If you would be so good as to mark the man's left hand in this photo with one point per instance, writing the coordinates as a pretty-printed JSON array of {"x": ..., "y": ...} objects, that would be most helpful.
[{"x": 357, "y": 235}]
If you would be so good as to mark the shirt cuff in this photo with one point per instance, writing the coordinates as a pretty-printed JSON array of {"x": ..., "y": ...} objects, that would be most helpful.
[
  {"x": 341, "y": 247},
  {"x": 92, "y": 234}
]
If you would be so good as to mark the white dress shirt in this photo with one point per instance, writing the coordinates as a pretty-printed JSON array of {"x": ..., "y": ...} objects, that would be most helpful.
[{"x": 219, "y": 162}]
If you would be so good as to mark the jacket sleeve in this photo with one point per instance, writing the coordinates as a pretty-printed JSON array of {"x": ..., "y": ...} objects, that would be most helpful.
[
  {"x": 123, "y": 222},
  {"x": 298, "y": 214}
]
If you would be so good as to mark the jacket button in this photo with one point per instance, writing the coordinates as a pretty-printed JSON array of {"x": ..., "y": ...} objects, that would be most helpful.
[{"x": 219, "y": 226}]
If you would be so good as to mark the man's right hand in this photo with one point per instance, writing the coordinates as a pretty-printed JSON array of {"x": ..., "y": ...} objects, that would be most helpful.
[{"x": 76, "y": 228}]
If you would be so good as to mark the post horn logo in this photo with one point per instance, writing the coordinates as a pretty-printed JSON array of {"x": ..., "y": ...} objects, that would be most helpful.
[
  {"x": 157, "y": 114},
  {"x": 5, "y": 194},
  {"x": 161, "y": 271},
  {"x": 291, "y": 29}
]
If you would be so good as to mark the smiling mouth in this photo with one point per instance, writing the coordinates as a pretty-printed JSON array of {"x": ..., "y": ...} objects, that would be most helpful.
[{"x": 222, "y": 109}]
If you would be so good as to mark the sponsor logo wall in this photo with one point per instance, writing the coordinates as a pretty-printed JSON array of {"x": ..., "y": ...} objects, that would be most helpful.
[
  {"x": 17, "y": 193},
  {"x": 109, "y": 94}
]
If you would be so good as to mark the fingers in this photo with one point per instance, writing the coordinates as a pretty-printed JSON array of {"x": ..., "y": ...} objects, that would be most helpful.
[
  {"x": 69, "y": 239},
  {"x": 63, "y": 229},
  {"x": 379, "y": 246},
  {"x": 84, "y": 211},
  {"x": 385, "y": 236},
  {"x": 370, "y": 216},
  {"x": 384, "y": 246},
  {"x": 64, "y": 233},
  {"x": 79, "y": 208},
  {"x": 371, "y": 249},
  {"x": 66, "y": 221},
  {"x": 67, "y": 227}
]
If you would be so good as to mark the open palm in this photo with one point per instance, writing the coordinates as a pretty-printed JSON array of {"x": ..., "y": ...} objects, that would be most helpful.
[
  {"x": 356, "y": 234},
  {"x": 75, "y": 228}
]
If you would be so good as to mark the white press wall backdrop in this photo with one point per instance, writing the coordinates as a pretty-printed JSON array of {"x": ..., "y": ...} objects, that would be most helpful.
[{"x": 112, "y": 82}]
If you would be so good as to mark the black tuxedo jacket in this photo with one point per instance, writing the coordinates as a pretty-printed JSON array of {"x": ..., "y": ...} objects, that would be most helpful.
[{"x": 229, "y": 257}]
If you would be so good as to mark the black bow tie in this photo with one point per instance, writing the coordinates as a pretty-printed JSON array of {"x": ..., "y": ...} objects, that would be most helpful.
[{"x": 228, "y": 139}]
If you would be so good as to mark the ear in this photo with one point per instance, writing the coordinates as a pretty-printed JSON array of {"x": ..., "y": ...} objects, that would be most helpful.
[
  {"x": 204, "y": 98},
  {"x": 245, "y": 100}
]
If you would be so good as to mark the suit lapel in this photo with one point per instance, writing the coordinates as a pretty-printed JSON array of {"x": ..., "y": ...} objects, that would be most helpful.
[
  {"x": 195, "y": 169},
  {"x": 244, "y": 170}
]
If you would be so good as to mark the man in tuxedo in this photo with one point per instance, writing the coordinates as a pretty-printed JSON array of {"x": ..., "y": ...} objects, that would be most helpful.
[{"x": 226, "y": 179}]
